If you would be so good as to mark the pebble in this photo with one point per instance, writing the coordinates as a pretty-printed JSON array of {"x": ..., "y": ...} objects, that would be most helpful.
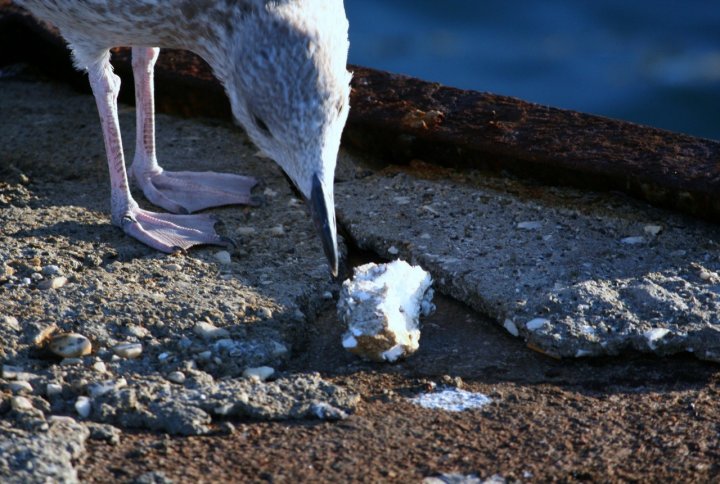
[
  {"x": 10, "y": 322},
  {"x": 535, "y": 324},
  {"x": 210, "y": 331},
  {"x": 128, "y": 350},
  {"x": 83, "y": 406},
  {"x": 246, "y": 231},
  {"x": 529, "y": 225},
  {"x": 393, "y": 250},
  {"x": 20, "y": 387},
  {"x": 50, "y": 270},
  {"x": 652, "y": 230},
  {"x": 70, "y": 345},
  {"x": 172, "y": 267},
  {"x": 633, "y": 240},
  {"x": 277, "y": 231},
  {"x": 176, "y": 377},
  {"x": 53, "y": 389},
  {"x": 99, "y": 366},
  {"x": 223, "y": 257},
  {"x": 137, "y": 331},
  {"x": 265, "y": 313},
  {"x": 20, "y": 403},
  {"x": 511, "y": 328},
  {"x": 54, "y": 283},
  {"x": 71, "y": 361},
  {"x": 269, "y": 192},
  {"x": 260, "y": 373}
]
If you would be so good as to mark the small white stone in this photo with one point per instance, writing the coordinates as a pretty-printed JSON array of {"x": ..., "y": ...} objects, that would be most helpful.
[
  {"x": 172, "y": 267},
  {"x": 53, "y": 389},
  {"x": 176, "y": 377},
  {"x": 655, "y": 335},
  {"x": 99, "y": 366},
  {"x": 163, "y": 356},
  {"x": 50, "y": 270},
  {"x": 10, "y": 322},
  {"x": 70, "y": 345},
  {"x": 209, "y": 331},
  {"x": 633, "y": 240},
  {"x": 20, "y": 387},
  {"x": 537, "y": 323},
  {"x": 511, "y": 328},
  {"x": 277, "y": 231},
  {"x": 54, "y": 283},
  {"x": 327, "y": 295},
  {"x": 245, "y": 231},
  {"x": 128, "y": 350},
  {"x": 71, "y": 361},
  {"x": 652, "y": 230},
  {"x": 137, "y": 331},
  {"x": 260, "y": 373},
  {"x": 83, "y": 406},
  {"x": 529, "y": 225},
  {"x": 393, "y": 250},
  {"x": 20, "y": 403},
  {"x": 223, "y": 257},
  {"x": 265, "y": 313},
  {"x": 269, "y": 192}
]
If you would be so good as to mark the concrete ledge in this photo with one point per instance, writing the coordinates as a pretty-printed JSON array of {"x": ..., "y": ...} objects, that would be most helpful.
[{"x": 397, "y": 119}]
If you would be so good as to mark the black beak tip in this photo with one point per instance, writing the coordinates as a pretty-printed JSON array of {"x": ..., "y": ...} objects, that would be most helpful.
[{"x": 324, "y": 218}]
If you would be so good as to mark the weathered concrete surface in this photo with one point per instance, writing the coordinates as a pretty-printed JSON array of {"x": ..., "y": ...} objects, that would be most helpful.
[
  {"x": 200, "y": 318},
  {"x": 46, "y": 455},
  {"x": 574, "y": 273}
]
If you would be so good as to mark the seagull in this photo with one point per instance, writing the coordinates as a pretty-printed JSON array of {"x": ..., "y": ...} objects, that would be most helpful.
[{"x": 283, "y": 66}]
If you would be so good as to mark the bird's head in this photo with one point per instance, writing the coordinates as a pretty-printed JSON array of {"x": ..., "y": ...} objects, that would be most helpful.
[{"x": 289, "y": 88}]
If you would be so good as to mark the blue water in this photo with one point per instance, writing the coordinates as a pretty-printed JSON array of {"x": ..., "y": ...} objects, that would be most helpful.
[{"x": 652, "y": 62}]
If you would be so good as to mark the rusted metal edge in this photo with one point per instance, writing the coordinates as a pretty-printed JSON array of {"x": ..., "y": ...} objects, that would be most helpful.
[{"x": 399, "y": 119}]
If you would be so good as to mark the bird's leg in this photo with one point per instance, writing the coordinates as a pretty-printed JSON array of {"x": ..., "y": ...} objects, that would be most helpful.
[
  {"x": 164, "y": 232},
  {"x": 177, "y": 192}
]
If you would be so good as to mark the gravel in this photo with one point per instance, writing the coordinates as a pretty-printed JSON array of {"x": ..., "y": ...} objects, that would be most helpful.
[{"x": 98, "y": 327}]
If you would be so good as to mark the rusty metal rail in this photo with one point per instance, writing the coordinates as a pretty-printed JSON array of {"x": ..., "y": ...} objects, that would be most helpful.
[{"x": 398, "y": 119}]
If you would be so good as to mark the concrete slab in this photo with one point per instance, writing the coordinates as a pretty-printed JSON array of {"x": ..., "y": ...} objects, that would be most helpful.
[{"x": 573, "y": 273}]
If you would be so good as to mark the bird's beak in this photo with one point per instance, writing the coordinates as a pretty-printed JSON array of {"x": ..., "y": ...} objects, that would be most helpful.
[{"x": 323, "y": 214}]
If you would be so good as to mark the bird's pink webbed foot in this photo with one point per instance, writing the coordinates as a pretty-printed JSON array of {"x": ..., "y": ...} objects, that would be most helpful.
[
  {"x": 182, "y": 191},
  {"x": 170, "y": 232},
  {"x": 187, "y": 192},
  {"x": 165, "y": 232}
]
